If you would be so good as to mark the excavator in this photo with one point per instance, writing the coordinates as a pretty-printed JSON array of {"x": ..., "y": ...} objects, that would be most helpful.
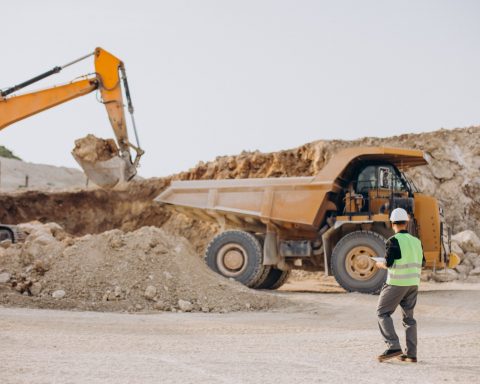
[{"x": 107, "y": 79}]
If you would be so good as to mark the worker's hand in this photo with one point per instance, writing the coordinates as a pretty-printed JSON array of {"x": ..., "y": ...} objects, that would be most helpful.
[{"x": 381, "y": 265}]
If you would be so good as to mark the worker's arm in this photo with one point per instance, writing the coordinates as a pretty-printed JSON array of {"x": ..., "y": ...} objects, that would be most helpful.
[{"x": 392, "y": 253}]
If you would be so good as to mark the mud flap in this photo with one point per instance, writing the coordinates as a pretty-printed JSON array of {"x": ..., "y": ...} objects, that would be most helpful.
[{"x": 270, "y": 250}]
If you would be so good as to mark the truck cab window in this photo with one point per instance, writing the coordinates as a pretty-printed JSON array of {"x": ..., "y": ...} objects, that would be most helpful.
[
  {"x": 367, "y": 179},
  {"x": 379, "y": 176}
]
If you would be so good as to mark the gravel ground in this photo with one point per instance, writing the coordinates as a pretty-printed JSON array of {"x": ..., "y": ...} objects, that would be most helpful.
[{"x": 323, "y": 338}]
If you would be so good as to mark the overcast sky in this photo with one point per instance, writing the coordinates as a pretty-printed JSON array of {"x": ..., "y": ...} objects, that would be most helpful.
[{"x": 217, "y": 77}]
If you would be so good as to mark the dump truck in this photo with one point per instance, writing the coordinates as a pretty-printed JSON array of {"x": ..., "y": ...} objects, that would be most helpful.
[{"x": 335, "y": 221}]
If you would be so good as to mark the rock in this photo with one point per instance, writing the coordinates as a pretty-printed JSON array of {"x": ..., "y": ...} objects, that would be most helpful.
[
  {"x": 185, "y": 305},
  {"x": 59, "y": 294},
  {"x": 150, "y": 292},
  {"x": 160, "y": 306},
  {"x": 457, "y": 250},
  {"x": 463, "y": 270},
  {"x": 205, "y": 309},
  {"x": 475, "y": 272},
  {"x": 473, "y": 258},
  {"x": 35, "y": 289},
  {"x": 6, "y": 243},
  {"x": 117, "y": 292},
  {"x": 4, "y": 277},
  {"x": 468, "y": 241},
  {"x": 444, "y": 276},
  {"x": 248, "y": 305},
  {"x": 426, "y": 275},
  {"x": 440, "y": 171}
]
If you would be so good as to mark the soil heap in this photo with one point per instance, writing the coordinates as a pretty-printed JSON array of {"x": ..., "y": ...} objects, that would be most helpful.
[{"x": 143, "y": 270}]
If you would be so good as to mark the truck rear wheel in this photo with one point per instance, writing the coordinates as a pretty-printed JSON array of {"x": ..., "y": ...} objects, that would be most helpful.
[
  {"x": 352, "y": 263},
  {"x": 238, "y": 255},
  {"x": 275, "y": 279}
]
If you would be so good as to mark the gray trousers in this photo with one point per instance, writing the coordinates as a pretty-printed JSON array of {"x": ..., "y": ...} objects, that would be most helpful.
[{"x": 390, "y": 297}]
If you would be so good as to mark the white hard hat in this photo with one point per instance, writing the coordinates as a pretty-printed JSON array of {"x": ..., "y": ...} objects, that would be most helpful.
[{"x": 399, "y": 214}]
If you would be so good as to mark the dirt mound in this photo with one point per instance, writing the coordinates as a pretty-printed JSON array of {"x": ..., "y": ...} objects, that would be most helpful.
[{"x": 115, "y": 271}]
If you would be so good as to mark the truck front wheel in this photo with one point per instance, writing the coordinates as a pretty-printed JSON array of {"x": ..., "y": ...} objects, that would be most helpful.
[
  {"x": 352, "y": 263},
  {"x": 238, "y": 255}
]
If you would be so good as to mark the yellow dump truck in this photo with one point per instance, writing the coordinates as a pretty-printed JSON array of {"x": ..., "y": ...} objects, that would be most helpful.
[{"x": 335, "y": 222}]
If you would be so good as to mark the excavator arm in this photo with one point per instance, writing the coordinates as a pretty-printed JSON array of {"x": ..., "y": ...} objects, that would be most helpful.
[{"x": 108, "y": 78}]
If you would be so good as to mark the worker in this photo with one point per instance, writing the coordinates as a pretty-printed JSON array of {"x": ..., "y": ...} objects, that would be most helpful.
[{"x": 403, "y": 260}]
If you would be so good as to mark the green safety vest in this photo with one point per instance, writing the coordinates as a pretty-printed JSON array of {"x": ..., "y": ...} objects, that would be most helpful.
[{"x": 406, "y": 270}]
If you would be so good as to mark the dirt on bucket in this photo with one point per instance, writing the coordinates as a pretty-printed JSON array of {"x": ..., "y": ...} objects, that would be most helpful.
[{"x": 99, "y": 159}]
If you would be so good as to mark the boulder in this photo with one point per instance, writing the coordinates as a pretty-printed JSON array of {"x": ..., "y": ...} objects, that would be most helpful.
[
  {"x": 463, "y": 270},
  {"x": 468, "y": 241},
  {"x": 58, "y": 294},
  {"x": 475, "y": 272},
  {"x": 457, "y": 250},
  {"x": 445, "y": 275},
  {"x": 185, "y": 305},
  {"x": 150, "y": 292},
  {"x": 4, "y": 277}
]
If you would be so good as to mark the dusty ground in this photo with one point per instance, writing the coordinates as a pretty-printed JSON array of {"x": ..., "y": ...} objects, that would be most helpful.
[{"x": 321, "y": 338}]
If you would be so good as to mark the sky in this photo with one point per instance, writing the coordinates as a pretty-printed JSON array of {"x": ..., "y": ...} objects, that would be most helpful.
[{"x": 212, "y": 78}]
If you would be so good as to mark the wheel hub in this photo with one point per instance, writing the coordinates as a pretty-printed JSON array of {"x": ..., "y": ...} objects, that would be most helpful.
[
  {"x": 231, "y": 260},
  {"x": 359, "y": 263}
]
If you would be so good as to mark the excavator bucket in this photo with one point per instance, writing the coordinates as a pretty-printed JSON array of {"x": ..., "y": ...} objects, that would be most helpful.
[{"x": 102, "y": 162}]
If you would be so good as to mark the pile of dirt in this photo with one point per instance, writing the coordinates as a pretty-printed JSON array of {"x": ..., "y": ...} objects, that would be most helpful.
[
  {"x": 144, "y": 270},
  {"x": 93, "y": 149}
]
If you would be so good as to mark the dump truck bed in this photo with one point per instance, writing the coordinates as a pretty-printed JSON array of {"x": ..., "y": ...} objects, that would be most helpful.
[
  {"x": 288, "y": 203},
  {"x": 250, "y": 203}
]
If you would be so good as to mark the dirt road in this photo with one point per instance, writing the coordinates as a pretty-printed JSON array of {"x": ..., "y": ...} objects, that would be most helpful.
[{"x": 322, "y": 338}]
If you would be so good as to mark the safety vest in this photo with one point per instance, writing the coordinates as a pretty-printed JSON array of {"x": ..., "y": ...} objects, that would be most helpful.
[{"x": 406, "y": 270}]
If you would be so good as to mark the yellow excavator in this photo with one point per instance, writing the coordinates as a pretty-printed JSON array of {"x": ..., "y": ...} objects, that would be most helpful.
[{"x": 107, "y": 79}]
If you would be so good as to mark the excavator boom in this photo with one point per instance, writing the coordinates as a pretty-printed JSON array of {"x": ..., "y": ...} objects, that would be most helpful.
[
  {"x": 20, "y": 107},
  {"x": 108, "y": 77}
]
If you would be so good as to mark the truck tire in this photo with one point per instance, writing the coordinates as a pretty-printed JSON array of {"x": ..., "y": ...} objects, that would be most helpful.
[
  {"x": 238, "y": 255},
  {"x": 275, "y": 279},
  {"x": 6, "y": 234},
  {"x": 351, "y": 264}
]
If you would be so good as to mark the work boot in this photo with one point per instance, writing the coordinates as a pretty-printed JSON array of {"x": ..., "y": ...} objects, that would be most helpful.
[
  {"x": 407, "y": 359},
  {"x": 389, "y": 354}
]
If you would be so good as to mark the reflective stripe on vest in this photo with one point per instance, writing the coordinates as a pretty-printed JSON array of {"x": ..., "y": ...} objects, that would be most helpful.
[{"x": 406, "y": 270}]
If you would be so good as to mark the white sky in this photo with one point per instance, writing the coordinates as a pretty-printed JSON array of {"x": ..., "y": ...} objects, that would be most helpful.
[{"x": 217, "y": 77}]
